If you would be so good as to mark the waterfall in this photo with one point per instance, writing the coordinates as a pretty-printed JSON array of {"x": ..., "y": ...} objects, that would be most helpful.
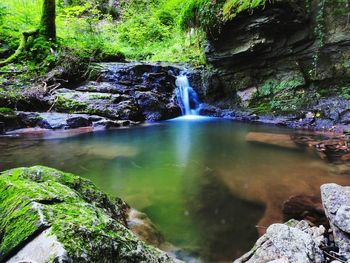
[{"x": 186, "y": 96}]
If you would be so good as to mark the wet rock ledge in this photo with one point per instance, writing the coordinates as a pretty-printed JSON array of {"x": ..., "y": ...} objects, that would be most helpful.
[
  {"x": 50, "y": 216},
  {"x": 302, "y": 241},
  {"x": 114, "y": 95}
]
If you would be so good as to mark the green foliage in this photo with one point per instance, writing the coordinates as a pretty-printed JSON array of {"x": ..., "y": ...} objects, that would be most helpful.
[
  {"x": 86, "y": 31},
  {"x": 291, "y": 101},
  {"x": 11, "y": 95},
  {"x": 3, "y": 12},
  {"x": 153, "y": 30},
  {"x": 210, "y": 15},
  {"x": 273, "y": 86},
  {"x": 345, "y": 92},
  {"x": 202, "y": 13},
  {"x": 282, "y": 96},
  {"x": 286, "y": 102},
  {"x": 6, "y": 111},
  {"x": 319, "y": 32},
  {"x": 232, "y": 8}
]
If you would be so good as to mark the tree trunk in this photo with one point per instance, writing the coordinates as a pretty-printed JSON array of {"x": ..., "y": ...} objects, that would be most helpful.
[
  {"x": 20, "y": 48},
  {"x": 46, "y": 29},
  {"x": 47, "y": 23}
]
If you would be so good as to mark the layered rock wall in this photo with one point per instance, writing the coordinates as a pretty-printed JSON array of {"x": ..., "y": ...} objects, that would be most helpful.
[{"x": 284, "y": 58}]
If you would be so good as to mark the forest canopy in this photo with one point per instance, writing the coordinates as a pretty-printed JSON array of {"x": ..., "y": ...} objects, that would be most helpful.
[{"x": 155, "y": 30}]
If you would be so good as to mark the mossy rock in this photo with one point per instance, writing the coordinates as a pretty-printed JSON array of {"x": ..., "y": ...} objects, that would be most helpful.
[
  {"x": 6, "y": 111},
  {"x": 87, "y": 223}
]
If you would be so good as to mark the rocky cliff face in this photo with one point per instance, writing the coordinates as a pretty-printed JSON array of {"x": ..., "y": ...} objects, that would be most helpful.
[{"x": 283, "y": 58}]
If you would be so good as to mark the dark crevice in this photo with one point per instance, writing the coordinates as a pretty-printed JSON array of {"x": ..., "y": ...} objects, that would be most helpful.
[
  {"x": 22, "y": 244},
  {"x": 51, "y": 201}
]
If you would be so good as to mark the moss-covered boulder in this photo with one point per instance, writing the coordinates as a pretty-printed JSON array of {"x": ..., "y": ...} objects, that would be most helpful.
[{"x": 50, "y": 216}]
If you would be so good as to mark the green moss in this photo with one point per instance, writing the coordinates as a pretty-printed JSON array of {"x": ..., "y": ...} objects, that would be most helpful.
[
  {"x": 86, "y": 221},
  {"x": 345, "y": 92},
  {"x": 20, "y": 217},
  {"x": 339, "y": 91},
  {"x": 274, "y": 86},
  {"x": 283, "y": 96},
  {"x": 7, "y": 111},
  {"x": 210, "y": 15},
  {"x": 11, "y": 95},
  {"x": 102, "y": 112},
  {"x": 69, "y": 105},
  {"x": 232, "y": 8}
]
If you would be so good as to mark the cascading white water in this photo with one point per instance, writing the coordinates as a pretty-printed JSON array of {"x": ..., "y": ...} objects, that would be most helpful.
[{"x": 186, "y": 96}]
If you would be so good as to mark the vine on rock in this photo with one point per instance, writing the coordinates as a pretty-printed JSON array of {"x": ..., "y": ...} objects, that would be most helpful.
[{"x": 320, "y": 37}]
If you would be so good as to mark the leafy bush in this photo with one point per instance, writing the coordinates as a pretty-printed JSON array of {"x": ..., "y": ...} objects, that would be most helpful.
[
  {"x": 201, "y": 13},
  {"x": 345, "y": 92},
  {"x": 210, "y": 15},
  {"x": 3, "y": 12},
  {"x": 4, "y": 110},
  {"x": 233, "y": 7}
]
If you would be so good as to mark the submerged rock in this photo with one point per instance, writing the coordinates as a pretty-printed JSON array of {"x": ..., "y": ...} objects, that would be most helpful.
[
  {"x": 274, "y": 139},
  {"x": 305, "y": 207},
  {"x": 334, "y": 148},
  {"x": 336, "y": 201},
  {"x": 50, "y": 216},
  {"x": 143, "y": 227},
  {"x": 294, "y": 241}
]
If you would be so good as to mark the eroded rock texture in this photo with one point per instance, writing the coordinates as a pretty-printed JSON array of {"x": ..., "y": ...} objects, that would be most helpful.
[
  {"x": 291, "y": 242},
  {"x": 336, "y": 201},
  {"x": 293, "y": 55},
  {"x": 124, "y": 91}
]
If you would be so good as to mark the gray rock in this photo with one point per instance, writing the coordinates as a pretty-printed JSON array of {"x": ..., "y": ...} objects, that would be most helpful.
[
  {"x": 342, "y": 218},
  {"x": 42, "y": 248},
  {"x": 124, "y": 91},
  {"x": 294, "y": 241},
  {"x": 78, "y": 121},
  {"x": 273, "y": 49},
  {"x": 246, "y": 95},
  {"x": 336, "y": 200},
  {"x": 103, "y": 87},
  {"x": 53, "y": 120},
  {"x": 345, "y": 117}
]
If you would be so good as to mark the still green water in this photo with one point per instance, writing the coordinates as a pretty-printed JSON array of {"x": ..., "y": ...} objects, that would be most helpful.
[{"x": 202, "y": 184}]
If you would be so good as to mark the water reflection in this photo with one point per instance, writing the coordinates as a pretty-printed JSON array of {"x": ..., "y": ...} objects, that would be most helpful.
[{"x": 183, "y": 144}]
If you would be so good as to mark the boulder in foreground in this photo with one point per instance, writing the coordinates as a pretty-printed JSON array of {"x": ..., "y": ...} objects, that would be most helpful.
[
  {"x": 50, "y": 216},
  {"x": 290, "y": 242},
  {"x": 336, "y": 201}
]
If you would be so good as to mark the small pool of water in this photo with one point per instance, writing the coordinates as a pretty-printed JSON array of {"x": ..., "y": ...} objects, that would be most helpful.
[{"x": 203, "y": 185}]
